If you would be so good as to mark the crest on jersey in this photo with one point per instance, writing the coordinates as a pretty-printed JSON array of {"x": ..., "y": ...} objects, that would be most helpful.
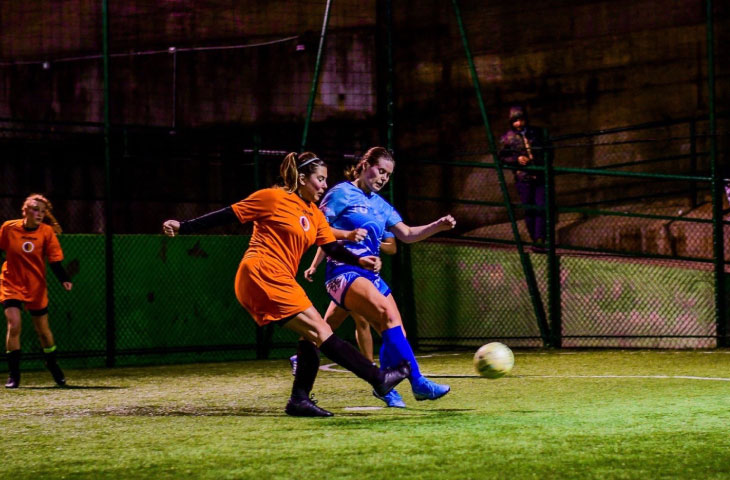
[
  {"x": 304, "y": 222},
  {"x": 28, "y": 247}
]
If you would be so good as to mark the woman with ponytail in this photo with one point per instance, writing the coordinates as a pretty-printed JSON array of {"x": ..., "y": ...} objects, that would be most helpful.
[
  {"x": 355, "y": 204},
  {"x": 287, "y": 223},
  {"x": 27, "y": 243}
]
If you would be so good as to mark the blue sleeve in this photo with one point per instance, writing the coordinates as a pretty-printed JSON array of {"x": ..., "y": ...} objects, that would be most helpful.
[
  {"x": 387, "y": 234},
  {"x": 333, "y": 203},
  {"x": 393, "y": 219}
]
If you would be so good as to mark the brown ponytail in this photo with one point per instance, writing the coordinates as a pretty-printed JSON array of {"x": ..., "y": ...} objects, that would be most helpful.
[
  {"x": 294, "y": 164},
  {"x": 371, "y": 157}
]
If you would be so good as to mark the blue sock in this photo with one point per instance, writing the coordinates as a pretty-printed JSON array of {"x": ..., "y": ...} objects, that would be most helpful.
[
  {"x": 398, "y": 349},
  {"x": 385, "y": 361}
]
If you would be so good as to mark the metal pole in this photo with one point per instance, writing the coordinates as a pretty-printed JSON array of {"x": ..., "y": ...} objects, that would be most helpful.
[
  {"x": 403, "y": 266},
  {"x": 390, "y": 105},
  {"x": 108, "y": 210},
  {"x": 717, "y": 218},
  {"x": 173, "y": 50},
  {"x": 524, "y": 258},
  {"x": 315, "y": 79},
  {"x": 554, "y": 302}
]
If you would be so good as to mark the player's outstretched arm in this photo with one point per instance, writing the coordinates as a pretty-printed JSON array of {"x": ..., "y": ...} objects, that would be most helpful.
[
  {"x": 224, "y": 216},
  {"x": 407, "y": 234}
]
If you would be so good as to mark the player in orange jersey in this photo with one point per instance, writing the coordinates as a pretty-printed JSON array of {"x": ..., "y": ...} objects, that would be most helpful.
[
  {"x": 287, "y": 223},
  {"x": 27, "y": 243}
]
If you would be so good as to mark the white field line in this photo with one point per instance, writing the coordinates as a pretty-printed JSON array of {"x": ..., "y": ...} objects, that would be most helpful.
[{"x": 333, "y": 367}]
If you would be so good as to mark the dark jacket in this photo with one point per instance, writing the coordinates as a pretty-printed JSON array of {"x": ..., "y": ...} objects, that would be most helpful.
[{"x": 512, "y": 145}]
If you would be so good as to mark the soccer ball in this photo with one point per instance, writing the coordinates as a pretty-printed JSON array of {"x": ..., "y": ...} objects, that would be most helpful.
[{"x": 494, "y": 360}]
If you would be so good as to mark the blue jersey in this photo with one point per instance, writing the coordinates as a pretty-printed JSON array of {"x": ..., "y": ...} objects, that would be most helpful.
[{"x": 347, "y": 208}]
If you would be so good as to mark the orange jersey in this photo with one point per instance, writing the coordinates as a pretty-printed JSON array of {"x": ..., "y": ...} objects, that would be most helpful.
[
  {"x": 284, "y": 228},
  {"x": 23, "y": 275}
]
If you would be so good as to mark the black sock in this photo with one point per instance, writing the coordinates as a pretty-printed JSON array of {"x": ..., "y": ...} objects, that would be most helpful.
[
  {"x": 307, "y": 368},
  {"x": 345, "y": 354},
  {"x": 14, "y": 363},
  {"x": 50, "y": 358}
]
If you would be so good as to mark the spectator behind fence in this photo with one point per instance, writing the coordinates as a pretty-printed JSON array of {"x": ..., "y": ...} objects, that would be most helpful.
[
  {"x": 523, "y": 146},
  {"x": 27, "y": 243}
]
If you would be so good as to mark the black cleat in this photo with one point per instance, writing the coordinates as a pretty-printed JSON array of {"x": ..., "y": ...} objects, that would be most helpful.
[
  {"x": 56, "y": 373},
  {"x": 393, "y": 376},
  {"x": 305, "y": 407},
  {"x": 13, "y": 381}
]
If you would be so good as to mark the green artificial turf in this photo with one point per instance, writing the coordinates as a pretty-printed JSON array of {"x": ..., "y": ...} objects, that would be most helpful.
[{"x": 559, "y": 414}]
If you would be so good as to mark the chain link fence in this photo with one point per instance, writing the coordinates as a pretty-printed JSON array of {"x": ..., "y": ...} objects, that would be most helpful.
[
  {"x": 197, "y": 125},
  {"x": 633, "y": 258}
]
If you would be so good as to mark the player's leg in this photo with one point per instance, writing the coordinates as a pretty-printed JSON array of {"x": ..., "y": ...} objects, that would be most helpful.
[
  {"x": 334, "y": 317},
  {"x": 12, "y": 342},
  {"x": 310, "y": 325},
  {"x": 382, "y": 312},
  {"x": 45, "y": 337},
  {"x": 363, "y": 336}
]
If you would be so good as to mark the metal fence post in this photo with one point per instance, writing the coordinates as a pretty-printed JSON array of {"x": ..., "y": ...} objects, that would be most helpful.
[
  {"x": 554, "y": 301},
  {"x": 717, "y": 217},
  {"x": 108, "y": 210},
  {"x": 315, "y": 77},
  {"x": 535, "y": 296}
]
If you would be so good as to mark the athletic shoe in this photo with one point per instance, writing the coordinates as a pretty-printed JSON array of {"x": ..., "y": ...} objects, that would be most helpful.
[
  {"x": 305, "y": 407},
  {"x": 425, "y": 389},
  {"x": 56, "y": 373},
  {"x": 391, "y": 399},
  {"x": 393, "y": 376},
  {"x": 13, "y": 381},
  {"x": 293, "y": 363}
]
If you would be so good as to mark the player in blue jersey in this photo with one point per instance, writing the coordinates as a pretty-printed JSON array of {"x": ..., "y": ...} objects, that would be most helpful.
[{"x": 355, "y": 204}]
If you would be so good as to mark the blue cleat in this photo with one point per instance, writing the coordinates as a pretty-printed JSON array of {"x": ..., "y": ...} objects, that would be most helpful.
[
  {"x": 425, "y": 389},
  {"x": 293, "y": 363},
  {"x": 391, "y": 399}
]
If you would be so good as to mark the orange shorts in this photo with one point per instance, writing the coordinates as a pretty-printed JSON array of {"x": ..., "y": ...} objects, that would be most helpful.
[
  {"x": 268, "y": 292},
  {"x": 34, "y": 300}
]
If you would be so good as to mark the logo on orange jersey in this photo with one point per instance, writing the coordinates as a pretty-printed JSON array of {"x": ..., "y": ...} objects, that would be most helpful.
[
  {"x": 28, "y": 247},
  {"x": 304, "y": 222}
]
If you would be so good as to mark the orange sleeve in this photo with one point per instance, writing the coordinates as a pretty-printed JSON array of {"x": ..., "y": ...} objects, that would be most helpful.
[
  {"x": 324, "y": 231},
  {"x": 257, "y": 205},
  {"x": 53, "y": 249}
]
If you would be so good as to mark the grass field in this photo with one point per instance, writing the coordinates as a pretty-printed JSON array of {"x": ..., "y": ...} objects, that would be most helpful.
[{"x": 560, "y": 414}]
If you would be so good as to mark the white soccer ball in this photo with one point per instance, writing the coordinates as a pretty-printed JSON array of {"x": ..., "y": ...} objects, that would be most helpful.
[{"x": 494, "y": 360}]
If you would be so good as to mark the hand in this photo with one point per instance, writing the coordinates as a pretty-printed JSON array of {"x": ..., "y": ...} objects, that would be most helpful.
[
  {"x": 357, "y": 235},
  {"x": 309, "y": 273},
  {"x": 68, "y": 286},
  {"x": 371, "y": 262},
  {"x": 171, "y": 227},
  {"x": 523, "y": 160},
  {"x": 445, "y": 223}
]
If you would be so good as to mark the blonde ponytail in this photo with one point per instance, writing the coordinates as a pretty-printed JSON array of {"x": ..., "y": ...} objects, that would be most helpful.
[{"x": 49, "y": 210}]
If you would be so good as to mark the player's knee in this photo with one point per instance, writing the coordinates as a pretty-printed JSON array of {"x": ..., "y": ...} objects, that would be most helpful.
[
  {"x": 322, "y": 333},
  {"x": 13, "y": 329}
]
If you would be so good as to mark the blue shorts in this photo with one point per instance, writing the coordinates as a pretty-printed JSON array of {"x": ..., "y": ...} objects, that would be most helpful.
[{"x": 339, "y": 279}]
